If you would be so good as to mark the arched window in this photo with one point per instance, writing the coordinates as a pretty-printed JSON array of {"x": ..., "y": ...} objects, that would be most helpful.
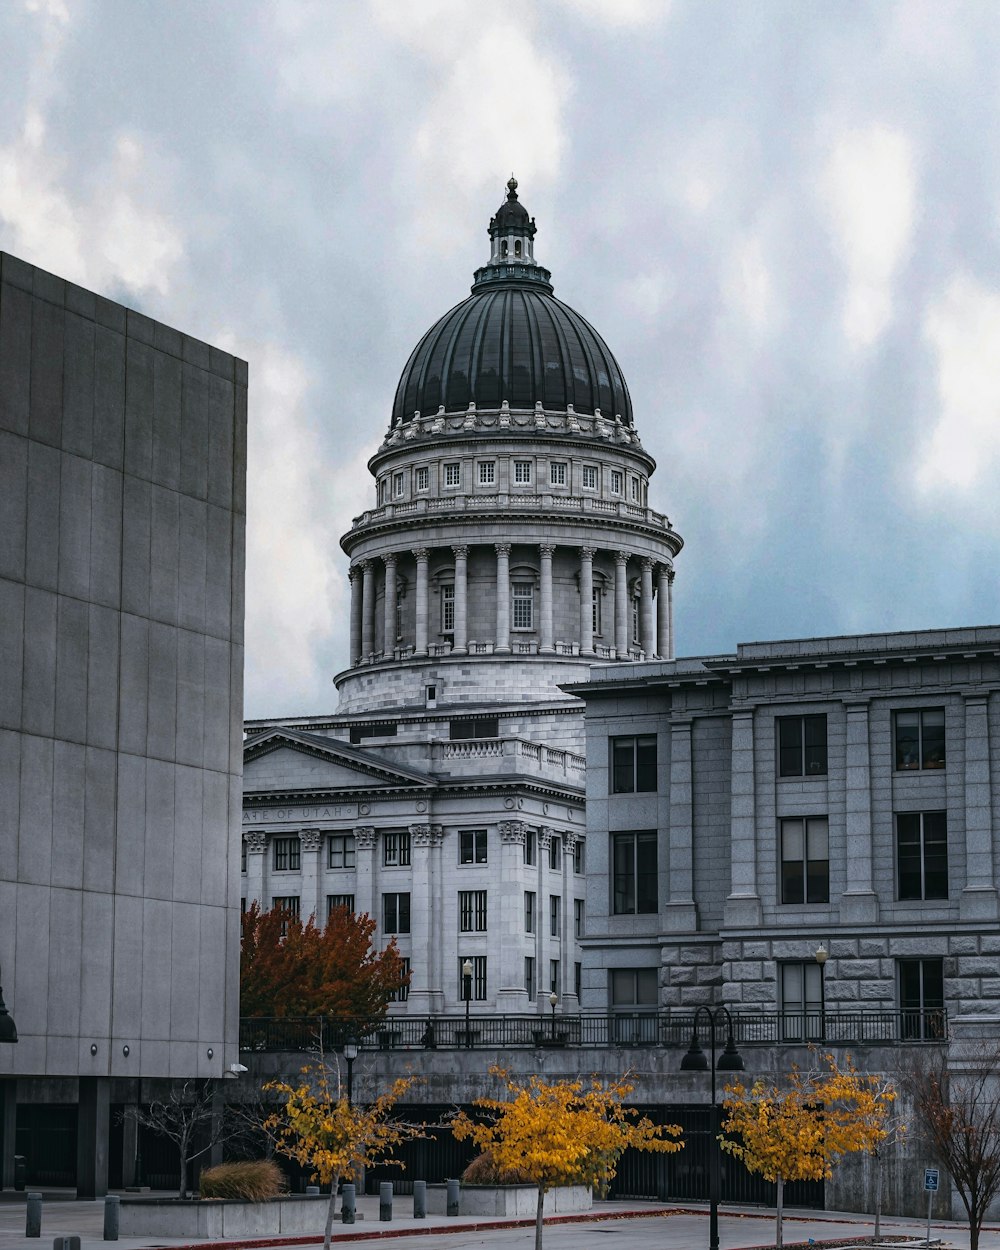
[{"x": 517, "y": 247}]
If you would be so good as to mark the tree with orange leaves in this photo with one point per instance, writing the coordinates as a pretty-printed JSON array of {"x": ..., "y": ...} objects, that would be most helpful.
[
  {"x": 563, "y": 1133},
  {"x": 289, "y": 969}
]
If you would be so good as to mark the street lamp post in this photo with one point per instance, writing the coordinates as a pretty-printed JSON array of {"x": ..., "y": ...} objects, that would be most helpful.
[
  {"x": 553, "y": 999},
  {"x": 351, "y": 1050},
  {"x": 821, "y": 956},
  {"x": 467, "y": 986},
  {"x": 8, "y": 1030},
  {"x": 729, "y": 1061}
]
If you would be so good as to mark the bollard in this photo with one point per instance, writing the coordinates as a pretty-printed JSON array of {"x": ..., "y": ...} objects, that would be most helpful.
[
  {"x": 347, "y": 1199},
  {"x": 66, "y": 1243},
  {"x": 112, "y": 1211},
  {"x": 453, "y": 1197},
  {"x": 312, "y": 1189},
  {"x": 33, "y": 1216},
  {"x": 420, "y": 1200},
  {"x": 385, "y": 1201}
]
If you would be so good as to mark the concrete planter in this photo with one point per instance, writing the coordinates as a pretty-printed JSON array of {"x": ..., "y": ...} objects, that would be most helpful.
[
  {"x": 214, "y": 1218},
  {"x": 509, "y": 1200}
]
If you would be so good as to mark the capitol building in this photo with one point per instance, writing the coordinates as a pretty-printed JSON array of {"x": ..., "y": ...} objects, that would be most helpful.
[{"x": 510, "y": 546}]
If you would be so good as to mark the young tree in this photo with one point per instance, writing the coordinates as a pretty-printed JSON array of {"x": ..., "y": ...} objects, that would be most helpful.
[
  {"x": 189, "y": 1117},
  {"x": 288, "y": 968},
  {"x": 319, "y": 1128},
  {"x": 958, "y": 1114},
  {"x": 564, "y": 1133}
]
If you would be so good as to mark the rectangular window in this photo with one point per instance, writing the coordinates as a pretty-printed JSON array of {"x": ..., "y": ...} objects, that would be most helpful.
[
  {"x": 401, "y": 994},
  {"x": 921, "y": 999},
  {"x": 399, "y": 619},
  {"x": 334, "y": 901},
  {"x": 635, "y": 621},
  {"x": 801, "y": 746},
  {"x": 634, "y": 999},
  {"x": 472, "y": 846},
  {"x": 634, "y": 885},
  {"x": 387, "y": 729},
  {"x": 287, "y": 855},
  {"x": 596, "y": 611},
  {"x": 554, "y": 915},
  {"x": 633, "y": 764},
  {"x": 481, "y": 727},
  {"x": 288, "y": 905},
  {"x": 383, "y": 490},
  {"x": 578, "y": 855},
  {"x": 578, "y": 917},
  {"x": 523, "y": 601},
  {"x": 529, "y": 847},
  {"x": 522, "y": 472},
  {"x": 397, "y": 485},
  {"x": 447, "y": 609},
  {"x": 396, "y": 849},
  {"x": 553, "y": 976},
  {"x": 487, "y": 472},
  {"x": 805, "y": 860},
  {"x": 243, "y": 855},
  {"x": 529, "y": 911},
  {"x": 920, "y": 739},
  {"x": 529, "y": 977},
  {"x": 340, "y": 851},
  {"x": 472, "y": 911},
  {"x": 421, "y": 478},
  {"x": 636, "y": 491},
  {"x": 922, "y": 854},
  {"x": 478, "y": 978},
  {"x": 590, "y": 477},
  {"x": 555, "y": 850},
  {"x": 616, "y": 482},
  {"x": 557, "y": 473},
  {"x": 395, "y": 913},
  {"x": 577, "y": 979},
  {"x": 453, "y": 475},
  {"x": 801, "y": 1001}
]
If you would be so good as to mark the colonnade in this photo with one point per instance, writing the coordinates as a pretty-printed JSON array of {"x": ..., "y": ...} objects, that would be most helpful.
[{"x": 656, "y": 632}]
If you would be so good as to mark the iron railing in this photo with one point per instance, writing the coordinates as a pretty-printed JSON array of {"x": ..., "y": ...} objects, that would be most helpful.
[{"x": 673, "y": 1028}]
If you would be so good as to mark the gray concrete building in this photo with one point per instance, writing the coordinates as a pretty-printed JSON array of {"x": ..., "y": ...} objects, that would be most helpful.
[{"x": 122, "y": 521}]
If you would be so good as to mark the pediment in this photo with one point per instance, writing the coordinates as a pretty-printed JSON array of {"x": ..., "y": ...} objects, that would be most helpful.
[{"x": 287, "y": 759}]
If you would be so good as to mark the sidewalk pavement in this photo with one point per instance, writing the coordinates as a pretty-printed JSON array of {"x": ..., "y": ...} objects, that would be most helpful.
[{"x": 633, "y": 1225}]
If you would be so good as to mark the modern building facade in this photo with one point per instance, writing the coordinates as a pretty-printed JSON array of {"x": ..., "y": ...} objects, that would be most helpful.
[
  {"x": 122, "y": 520},
  {"x": 510, "y": 546}
]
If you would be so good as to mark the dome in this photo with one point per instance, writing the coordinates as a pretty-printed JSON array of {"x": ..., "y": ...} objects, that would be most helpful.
[{"x": 511, "y": 340}]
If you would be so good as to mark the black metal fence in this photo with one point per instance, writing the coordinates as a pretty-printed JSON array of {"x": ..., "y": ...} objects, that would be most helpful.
[{"x": 834, "y": 1028}]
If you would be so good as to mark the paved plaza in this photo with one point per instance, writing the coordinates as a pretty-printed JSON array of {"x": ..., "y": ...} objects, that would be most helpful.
[{"x": 621, "y": 1225}]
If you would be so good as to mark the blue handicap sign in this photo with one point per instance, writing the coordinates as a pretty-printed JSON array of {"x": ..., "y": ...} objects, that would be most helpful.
[{"x": 930, "y": 1180}]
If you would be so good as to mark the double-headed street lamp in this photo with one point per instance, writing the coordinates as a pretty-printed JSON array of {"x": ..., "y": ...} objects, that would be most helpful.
[{"x": 729, "y": 1061}]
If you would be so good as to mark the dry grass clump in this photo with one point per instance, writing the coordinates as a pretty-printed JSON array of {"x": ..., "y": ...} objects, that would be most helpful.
[
  {"x": 484, "y": 1171},
  {"x": 253, "y": 1181}
]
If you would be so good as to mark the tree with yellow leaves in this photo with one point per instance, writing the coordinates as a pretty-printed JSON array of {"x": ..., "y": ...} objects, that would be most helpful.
[
  {"x": 320, "y": 1129},
  {"x": 798, "y": 1130},
  {"x": 563, "y": 1133}
]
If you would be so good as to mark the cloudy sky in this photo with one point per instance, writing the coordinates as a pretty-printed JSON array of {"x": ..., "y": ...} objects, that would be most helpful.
[{"x": 784, "y": 217}]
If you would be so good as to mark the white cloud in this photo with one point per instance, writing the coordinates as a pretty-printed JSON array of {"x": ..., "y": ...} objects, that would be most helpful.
[
  {"x": 748, "y": 286},
  {"x": 868, "y": 190},
  {"x": 623, "y": 13},
  {"x": 963, "y": 452}
]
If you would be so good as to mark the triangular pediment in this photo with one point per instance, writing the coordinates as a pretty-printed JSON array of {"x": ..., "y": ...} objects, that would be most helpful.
[{"x": 290, "y": 759}]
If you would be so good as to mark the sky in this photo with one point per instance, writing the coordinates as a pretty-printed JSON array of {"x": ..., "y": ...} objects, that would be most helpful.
[{"x": 783, "y": 217}]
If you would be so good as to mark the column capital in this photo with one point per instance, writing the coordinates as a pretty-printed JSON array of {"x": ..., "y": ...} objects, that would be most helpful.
[
  {"x": 256, "y": 841},
  {"x": 311, "y": 839},
  {"x": 588, "y": 553},
  {"x": 547, "y": 549},
  {"x": 365, "y": 837},
  {"x": 354, "y": 572},
  {"x": 512, "y": 831},
  {"x": 426, "y": 835},
  {"x": 421, "y": 555},
  {"x": 367, "y": 566},
  {"x": 670, "y": 576},
  {"x": 544, "y": 837},
  {"x": 389, "y": 559},
  {"x": 621, "y": 558},
  {"x": 461, "y": 551},
  {"x": 570, "y": 837},
  {"x": 502, "y": 549},
  {"x": 647, "y": 563}
]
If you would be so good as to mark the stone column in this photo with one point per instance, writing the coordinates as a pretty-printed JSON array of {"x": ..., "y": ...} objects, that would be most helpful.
[
  {"x": 356, "y": 606},
  {"x": 460, "y": 642},
  {"x": 389, "y": 626},
  {"x": 368, "y": 610},
  {"x": 743, "y": 903},
  {"x": 421, "y": 555},
  {"x": 681, "y": 913},
  {"x": 621, "y": 604},
  {"x": 365, "y": 842},
  {"x": 509, "y": 909},
  {"x": 587, "y": 600},
  {"x": 545, "y": 551},
  {"x": 93, "y": 1121},
  {"x": 568, "y": 1001},
  {"x": 256, "y": 841},
  {"x": 664, "y": 577},
  {"x": 979, "y": 897},
  {"x": 670, "y": 612},
  {"x": 503, "y": 599},
  {"x": 426, "y": 935},
  {"x": 310, "y": 848},
  {"x": 859, "y": 902},
  {"x": 646, "y": 636}
]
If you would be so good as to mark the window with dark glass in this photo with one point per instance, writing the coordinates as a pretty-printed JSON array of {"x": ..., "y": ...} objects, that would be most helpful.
[
  {"x": 578, "y": 855},
  {"x": 243, "y": 855},
  {"x": 340, "y": 851},
  {"x": 402, "y": 992},
  {"x": 553, "y": 976},
  {"x": 472, "y": 846},
  {"x": 801, "y": 746},
  {"x": 333, "y": 901},
  {"x": 478, "y": 978},
  {"x": 554, "y": 915},
  {"x": 633, "y": 881},
  {"x": 578, "y": 917},
  {"x": 596, "y": 612},
  {"x": 480, "y": 727},
  {"x": 633, "y": 989},
  {"x": 287, "y": 855},
  {"x": 396, "y": 848},
  {"x": 801, "y": 1001},
  {"x": 386, "y": 729},
  {"x": 577, "y": 979},
  {"x": 395, "y": 913},
  {"x": 529, "y": 847},
  {"x": 288, "y": 905},
  {"x": 919, "y": 738},
  {"x": 472, "y": 911},
  {"x": 529, "y": 977},
  {"x": 805, "y": 860},
  {"x": 555, "y": 850},
  {"x": 633, "y": 764},
  {"x": 922, "y": 854},
  {"x": 921, "y": 998}
]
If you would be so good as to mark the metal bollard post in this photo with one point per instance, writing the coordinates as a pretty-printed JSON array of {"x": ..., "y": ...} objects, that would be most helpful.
[
  {"x": 420, "y": 1200},
  {"x": 112, "y": 1212},
  {"x": 347, "y": 1201},
  {"x": 33, "y": 1216},
  {"x": 453, "y": 1197},
  {"x": 385, "y": 1201}
]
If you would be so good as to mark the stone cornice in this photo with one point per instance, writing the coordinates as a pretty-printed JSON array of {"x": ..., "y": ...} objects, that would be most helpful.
[{"x": 490, "y": 787}]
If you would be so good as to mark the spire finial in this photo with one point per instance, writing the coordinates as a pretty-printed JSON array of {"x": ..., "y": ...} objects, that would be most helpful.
[{"x": 512, "y": 188}]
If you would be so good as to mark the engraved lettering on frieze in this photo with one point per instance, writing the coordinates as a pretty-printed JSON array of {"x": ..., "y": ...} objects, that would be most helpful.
[
  {"x": 365, "y": 837},
  {"x": 265, "y": 815},
  {"x": 512, "y": 831}
]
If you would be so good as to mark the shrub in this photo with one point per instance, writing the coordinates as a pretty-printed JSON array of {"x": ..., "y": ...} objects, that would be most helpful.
[
  {"x": 254, "y": 1181},
  {"x": 484, "y": 1171}
]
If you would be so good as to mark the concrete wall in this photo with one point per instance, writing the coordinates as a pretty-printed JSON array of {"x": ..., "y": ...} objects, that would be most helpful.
[{"x": 122, "y": 520}]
